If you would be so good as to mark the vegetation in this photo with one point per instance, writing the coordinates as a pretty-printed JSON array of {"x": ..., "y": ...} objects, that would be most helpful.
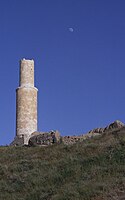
[{"x": 90, "y": 170}]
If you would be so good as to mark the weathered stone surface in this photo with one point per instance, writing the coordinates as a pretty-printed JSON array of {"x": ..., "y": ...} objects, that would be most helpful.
[
  {"x": 26, "y": 101},
  {"x": 97, "y": 130},
  {"x": 114, "y": 125},
  {"x": 49, "y": 138},
  {"x": 69, "y": 140},
  {"x": 27, "y": 73},
  {"x": 18, "y": 141},
  {"x": 44, "y": 138}
]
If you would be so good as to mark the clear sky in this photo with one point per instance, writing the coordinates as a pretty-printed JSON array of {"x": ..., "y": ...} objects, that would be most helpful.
[{"x": 80, "y": 74}]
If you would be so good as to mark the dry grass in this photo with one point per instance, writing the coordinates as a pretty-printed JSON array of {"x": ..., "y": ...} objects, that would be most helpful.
[{"x": 91, "y": 170}]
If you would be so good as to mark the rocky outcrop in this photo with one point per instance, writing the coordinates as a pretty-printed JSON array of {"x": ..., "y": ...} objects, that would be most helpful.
[
  {"x": 115, "y": 125},
  {"x": 49, "y": 138},
  {"x": 44, "y": 138},
  {"x": 68, "y": 140}
]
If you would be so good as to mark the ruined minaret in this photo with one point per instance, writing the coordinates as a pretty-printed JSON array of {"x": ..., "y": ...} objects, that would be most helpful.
[{"x": 26, "y": 101}]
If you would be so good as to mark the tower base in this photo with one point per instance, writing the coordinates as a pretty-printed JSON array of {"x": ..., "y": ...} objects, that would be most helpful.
[{"x": 18, "y": 141}]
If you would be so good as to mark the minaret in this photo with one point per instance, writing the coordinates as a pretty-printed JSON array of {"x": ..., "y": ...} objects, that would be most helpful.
[{"x": 26, "y": 101}]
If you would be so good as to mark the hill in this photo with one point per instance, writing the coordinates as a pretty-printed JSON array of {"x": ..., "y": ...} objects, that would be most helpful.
[{"x": 93, "y": 169}]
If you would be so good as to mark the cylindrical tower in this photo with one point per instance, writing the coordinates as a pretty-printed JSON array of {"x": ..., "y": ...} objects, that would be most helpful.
[{"x": 26, "y": 101}]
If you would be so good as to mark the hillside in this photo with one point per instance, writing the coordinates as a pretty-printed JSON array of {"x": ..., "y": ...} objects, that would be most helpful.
[{"x": 93, "y": 169}]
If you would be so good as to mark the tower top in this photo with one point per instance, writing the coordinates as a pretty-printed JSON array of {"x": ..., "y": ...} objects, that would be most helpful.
[
  {"x": 24, "y": 59},
  {"x": 26, "y": 73}
]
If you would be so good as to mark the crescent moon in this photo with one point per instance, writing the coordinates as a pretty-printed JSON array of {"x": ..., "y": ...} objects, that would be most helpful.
[{"x": 71, "y": 29}]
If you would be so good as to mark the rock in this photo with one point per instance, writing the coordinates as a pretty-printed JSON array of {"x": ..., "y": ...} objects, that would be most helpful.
[
  {"x": 18, "y": 141},
  {"x": 97, "y": 130},
  {"x": 69, "y": 140},
  {"x": 116, "y": 124},
  {"x": 44, "y": 138},
  {"x": 49, "y": 138}
]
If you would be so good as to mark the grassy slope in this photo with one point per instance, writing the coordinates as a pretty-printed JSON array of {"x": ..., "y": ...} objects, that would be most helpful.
[{"x": 92, "y": 169}]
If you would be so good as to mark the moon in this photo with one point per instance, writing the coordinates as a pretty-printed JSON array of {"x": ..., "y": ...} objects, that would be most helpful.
[{"x": 71, "y": 29}]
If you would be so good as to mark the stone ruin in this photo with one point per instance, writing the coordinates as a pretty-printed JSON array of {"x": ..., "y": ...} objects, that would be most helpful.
[
  {"x": 68, "y": 140},
  {"x": 44, "y": 138},
  {"x": 26, "y": 115},
  {"x": 54, "y": 137}
]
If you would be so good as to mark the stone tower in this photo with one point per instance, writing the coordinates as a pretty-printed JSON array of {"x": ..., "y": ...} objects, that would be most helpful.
[{"x": 26, "y": 101}]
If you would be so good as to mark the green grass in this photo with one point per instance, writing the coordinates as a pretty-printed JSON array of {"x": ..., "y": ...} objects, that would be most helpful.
[{"x": 91, "y": 170}]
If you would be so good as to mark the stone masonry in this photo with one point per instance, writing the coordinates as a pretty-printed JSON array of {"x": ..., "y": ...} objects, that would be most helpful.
[
  {"x": 26, "y": 101},
  {"x": 26, "y": 115}
]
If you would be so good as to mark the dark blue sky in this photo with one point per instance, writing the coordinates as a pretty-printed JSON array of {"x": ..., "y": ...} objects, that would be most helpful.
[{"x": 80, "y": 75}]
